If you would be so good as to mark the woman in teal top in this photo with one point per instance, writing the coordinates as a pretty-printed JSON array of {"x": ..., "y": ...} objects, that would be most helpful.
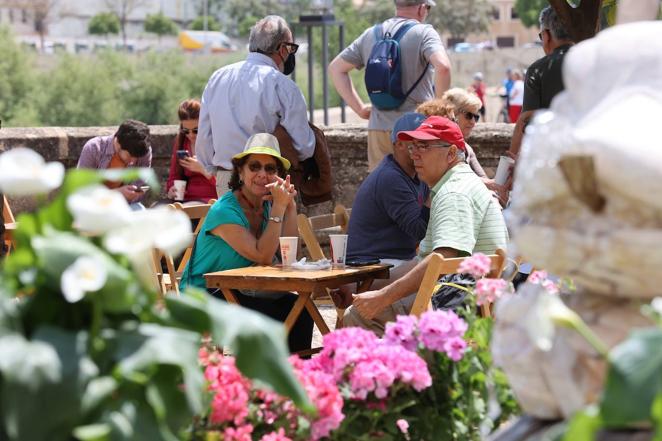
[{"x": 244, "y": 226}]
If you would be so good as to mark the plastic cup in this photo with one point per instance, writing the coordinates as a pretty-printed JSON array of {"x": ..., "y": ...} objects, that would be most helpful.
[
  {"x": 338, "y": 249},
  {"x": 503, "y": 169},
  {"x": 180, "y": 189},
  {"x": 288, "y": 250}
]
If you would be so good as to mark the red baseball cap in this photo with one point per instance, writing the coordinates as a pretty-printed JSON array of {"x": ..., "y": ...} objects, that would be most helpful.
[{"x": 433, "y": 128}]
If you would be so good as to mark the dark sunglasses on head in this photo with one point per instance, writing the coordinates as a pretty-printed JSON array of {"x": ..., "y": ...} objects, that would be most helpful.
[
  {"x": 469, "y": 115},
  {"x": 187, "y": 131},
  {"x": 255, "y": 167},
  {"x": 292, "y": 47}
]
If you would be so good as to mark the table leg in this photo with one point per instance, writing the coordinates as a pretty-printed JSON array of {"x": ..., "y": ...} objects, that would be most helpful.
[
  {"x": 364, "y": 285},
  {"x": 296, "y": 310},
  {"x": 317, "y": 317},
  {"x": 229, "y": 296}
]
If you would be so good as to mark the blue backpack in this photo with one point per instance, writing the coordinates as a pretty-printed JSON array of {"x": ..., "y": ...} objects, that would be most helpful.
[{"x": 383, "y": 73}]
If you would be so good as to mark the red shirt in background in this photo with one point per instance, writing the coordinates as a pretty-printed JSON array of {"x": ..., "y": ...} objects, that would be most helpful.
[{"x": 198, "y": 187}]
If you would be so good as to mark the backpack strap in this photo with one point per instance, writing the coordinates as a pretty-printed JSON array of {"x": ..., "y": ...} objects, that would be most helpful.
[{"x": 398, "y": 35}]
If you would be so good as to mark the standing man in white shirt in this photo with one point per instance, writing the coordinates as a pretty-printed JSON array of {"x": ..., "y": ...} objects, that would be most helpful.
[{"x": 253, "y": 96}]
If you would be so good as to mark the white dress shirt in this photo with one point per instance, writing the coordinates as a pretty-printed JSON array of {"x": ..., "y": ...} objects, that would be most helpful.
[{"x": 246, "y": 98}]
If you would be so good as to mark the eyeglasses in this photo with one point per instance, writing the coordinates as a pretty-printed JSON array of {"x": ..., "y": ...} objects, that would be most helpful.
[
  {"x": 469, "y": 115},
  {"x": 423, "y": 146},
  {"x": 187, "y": 131},
  {"x": 292, "y": 47},
  {"x": 540, "y": 34},
  {"x": 269, "y": 169},
  {"x": 428, "y": 7}
]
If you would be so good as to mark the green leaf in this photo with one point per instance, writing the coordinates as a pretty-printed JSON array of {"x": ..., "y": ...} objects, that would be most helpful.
[
  {"x": 140, "y": 351},
  {"x": 584, "y": 426},
  {"x": 257, "y": 342},
  {"x": 656, "y": 414},
  {"x": 58, "y": 250},
  {"x": 93, "y": 432},
  {"x": 634, "y": 379},
  {"x": 43, "y": 378}
]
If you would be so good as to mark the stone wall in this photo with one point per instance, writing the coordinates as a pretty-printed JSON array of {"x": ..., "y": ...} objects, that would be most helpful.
[{"x": 347, "y": 143}]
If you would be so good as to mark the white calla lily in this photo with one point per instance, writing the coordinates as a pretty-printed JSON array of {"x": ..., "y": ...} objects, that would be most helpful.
[
  {"x": 549, "y": 311},
  {"x": 97, "y": 209},
  {"x": 86, "y": 274},
  {"x": 163, "y": 228},
  {"x": 656, "y": 304},
  {"x": 24, "y": 172}
]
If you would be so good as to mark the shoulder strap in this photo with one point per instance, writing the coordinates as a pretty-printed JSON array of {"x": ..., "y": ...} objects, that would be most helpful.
[
  {"x": 402, "y": 30},
  {"x": 377, "y": 30}
]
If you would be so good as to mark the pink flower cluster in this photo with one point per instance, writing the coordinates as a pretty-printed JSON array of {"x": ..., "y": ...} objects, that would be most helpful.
[
  {"x": 438, "y": 331},
  {"x": 368, "y": 364},
  {"x": 237, "y": 407},
  {"x": 542, "y": 278},
  {"x": 478, "y": 265},
  {"x": 489, "y": 290}
]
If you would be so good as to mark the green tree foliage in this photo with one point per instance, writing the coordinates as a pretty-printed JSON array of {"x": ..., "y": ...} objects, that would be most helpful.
[
  {"x": 461, "y": 17},
  {"x": 160, "y": 25},
  {"x": 104, "y": 23},
  {"x": 199, "y": 24},
  {"x": 245, "y": 13},
  {"x": 16, "y": 76},
  {"x": 529, "y": 11}
]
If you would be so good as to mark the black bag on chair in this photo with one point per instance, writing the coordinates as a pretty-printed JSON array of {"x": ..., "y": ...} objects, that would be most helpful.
[{"x": 451, "y": 297}]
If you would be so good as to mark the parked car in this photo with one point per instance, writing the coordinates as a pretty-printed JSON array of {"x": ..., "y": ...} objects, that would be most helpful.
[{"x": 465, "y": 47}]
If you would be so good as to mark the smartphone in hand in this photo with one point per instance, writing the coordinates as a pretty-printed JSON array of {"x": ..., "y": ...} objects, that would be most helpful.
[
  {"x": 182, "y": 154},
  {"x": 141, "y": 189}
]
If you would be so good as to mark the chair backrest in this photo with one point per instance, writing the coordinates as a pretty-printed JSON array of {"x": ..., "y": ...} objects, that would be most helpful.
[
  {"x": 439, "y": 266},
  {"x": 309, "y": 225},
  {"x": 197, "y": 212},
  {"x": 6, "y": 211}
]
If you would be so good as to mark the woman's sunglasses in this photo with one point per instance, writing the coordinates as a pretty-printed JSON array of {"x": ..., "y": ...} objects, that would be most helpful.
[
  {"x": 269, "y": 169},
  {"x": 292, "y": 47},
  {"x": 469, "y": 115},
  {"x": 187, "y": 131}
]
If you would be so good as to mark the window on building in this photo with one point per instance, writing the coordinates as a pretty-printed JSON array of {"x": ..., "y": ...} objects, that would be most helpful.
[
  {"x": 11, "y": 16},
  {"x": 513, "y": 14},
  {"x": 495, "y": 13},
  {"x": 505, "y": 41},
  {"x": 24, "y": 15},
  {"x": 451, "y": 42}
]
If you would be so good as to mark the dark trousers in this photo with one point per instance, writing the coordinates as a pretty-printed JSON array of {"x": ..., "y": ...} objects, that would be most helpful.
[{"x": 301, "y": 335}]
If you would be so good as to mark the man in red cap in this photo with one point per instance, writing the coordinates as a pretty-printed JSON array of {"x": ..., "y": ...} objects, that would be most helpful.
[{"x": 464, "y": 219}]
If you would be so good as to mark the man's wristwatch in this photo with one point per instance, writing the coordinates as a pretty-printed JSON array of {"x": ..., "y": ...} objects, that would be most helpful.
[{"x": 276, "y": 219}]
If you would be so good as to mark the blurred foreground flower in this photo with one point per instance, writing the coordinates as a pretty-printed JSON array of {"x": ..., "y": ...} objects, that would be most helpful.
[
  {"x": 87, "y": 274},
  {"x": 96, "y": 209},
  {"x": 478, "y": 265},
  {"x": 23, "y": 172}
]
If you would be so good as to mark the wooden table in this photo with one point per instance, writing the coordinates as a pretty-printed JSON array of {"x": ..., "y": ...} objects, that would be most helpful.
[{"x": 302, "y": 282}]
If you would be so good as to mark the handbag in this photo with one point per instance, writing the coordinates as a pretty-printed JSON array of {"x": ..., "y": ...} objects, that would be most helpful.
[{"x": 448, "y": 296}]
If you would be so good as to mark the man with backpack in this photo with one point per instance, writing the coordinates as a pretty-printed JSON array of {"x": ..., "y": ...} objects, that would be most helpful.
[{"x": 406, "y": 64}]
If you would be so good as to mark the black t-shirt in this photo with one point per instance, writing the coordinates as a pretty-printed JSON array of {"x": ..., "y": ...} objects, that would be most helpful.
[{"x": 544, "y": 80}]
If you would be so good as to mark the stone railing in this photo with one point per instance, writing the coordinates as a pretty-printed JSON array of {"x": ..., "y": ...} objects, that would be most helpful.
[{"x": 347, "y": 144}]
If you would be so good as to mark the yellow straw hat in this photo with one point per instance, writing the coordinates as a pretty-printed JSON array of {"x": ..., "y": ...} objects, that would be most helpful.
[{"x": 263, "y": 144}]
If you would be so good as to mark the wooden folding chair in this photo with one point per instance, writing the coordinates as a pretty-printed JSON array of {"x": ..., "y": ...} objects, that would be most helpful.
[
  {"x": 308, "y": 226},
  {"x": 439, "y": 266},
  {"x": 169, "y": 280},
  {"x": 10, "y": 225}
]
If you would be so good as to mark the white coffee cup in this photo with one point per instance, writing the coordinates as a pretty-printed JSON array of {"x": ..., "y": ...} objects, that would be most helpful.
[
  {"x": 338, "y": 249},
  {"x": 180, "y": 189},
  {"x": 506, "y": 163},
  {"x": 288, "y": 250}
]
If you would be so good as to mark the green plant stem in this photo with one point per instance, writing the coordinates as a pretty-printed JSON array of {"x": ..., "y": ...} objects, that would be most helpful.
[
  {"x": 96, "y": 344},
  {"x": 592, "y": 339}
]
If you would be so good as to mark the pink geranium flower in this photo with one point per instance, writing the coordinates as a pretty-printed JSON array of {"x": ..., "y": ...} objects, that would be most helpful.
[
  {"x": 276, "y": 436},
  {"x": 489, "y": 290},
  {"x": 477, "y": 265},
  {"x": 403, "y": 425}
]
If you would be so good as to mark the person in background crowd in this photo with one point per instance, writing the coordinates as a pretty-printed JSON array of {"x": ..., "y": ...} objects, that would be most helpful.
[
  {"x": 516, "y": 97},
  {"x": 478, "y": 88},
  {"x": 128, "y": 147},
  {"x": 184, "y": 165},
  {"x": 250, "y": 97},
  {"x": 243, "y": 228},
  {"x": 421, "y": 45}
]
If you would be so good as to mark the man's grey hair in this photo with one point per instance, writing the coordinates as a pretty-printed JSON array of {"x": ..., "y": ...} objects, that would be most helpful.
[
  {"x": 550, "y": 20},
  {"x": 267, "y": 34}
]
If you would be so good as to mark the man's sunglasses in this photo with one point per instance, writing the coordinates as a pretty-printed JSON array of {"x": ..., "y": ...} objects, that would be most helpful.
[
  {"x": 293, "y": 47},
  {"x": 187, "y": 131},
  {"x": 423, "y": 146},
  {"x": 469, "y": 115},
  {"x": 269, "y": 169}
]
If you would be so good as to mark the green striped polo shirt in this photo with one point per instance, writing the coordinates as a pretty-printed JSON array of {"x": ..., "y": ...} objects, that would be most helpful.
[{"x": 464, "y": 215}]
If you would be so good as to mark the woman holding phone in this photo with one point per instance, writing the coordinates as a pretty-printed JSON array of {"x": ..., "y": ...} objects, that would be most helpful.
[{"x": 200, "y": 184}]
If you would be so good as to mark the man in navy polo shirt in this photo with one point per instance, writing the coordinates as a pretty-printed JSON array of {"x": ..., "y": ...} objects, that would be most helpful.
[{"x": 391, "y": 210}]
